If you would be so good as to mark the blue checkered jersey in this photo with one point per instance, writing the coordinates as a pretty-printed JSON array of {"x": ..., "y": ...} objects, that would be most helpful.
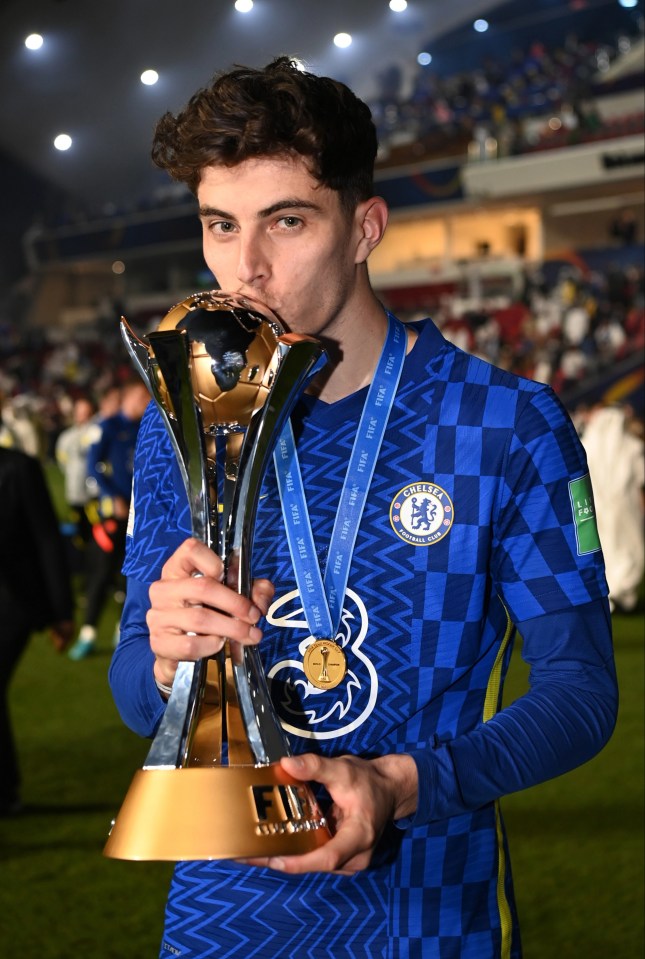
[{"x": 479, "y": 519}]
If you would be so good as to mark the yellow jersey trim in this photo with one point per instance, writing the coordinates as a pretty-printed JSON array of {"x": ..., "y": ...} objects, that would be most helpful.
[{"x": 491, "y": 706}]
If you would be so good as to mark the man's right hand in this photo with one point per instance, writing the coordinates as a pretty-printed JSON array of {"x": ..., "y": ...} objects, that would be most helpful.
[{"x": 192, "y": 613}]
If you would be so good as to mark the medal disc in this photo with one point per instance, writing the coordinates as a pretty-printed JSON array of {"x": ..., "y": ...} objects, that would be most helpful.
[{"x": 325, "y": 664}]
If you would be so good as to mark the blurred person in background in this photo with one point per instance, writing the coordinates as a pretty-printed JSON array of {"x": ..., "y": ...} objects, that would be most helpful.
[
  {"x": 109, "y": 402},
  {"x": 109, "y": 466},
  {"x": 72, "y": 448},
  {"x": 20, "y": 418},
  {"x": 615, "y": 456},
  {"x": 35, "y": 590},
  {"x": 8, "y": 438}
]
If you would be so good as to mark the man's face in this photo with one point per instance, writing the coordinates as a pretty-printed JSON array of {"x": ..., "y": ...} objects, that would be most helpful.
[
  {"x": 83, "y": 411},
  {"x": 134, "y": 401},
  {"x": 271, "y": 231}
]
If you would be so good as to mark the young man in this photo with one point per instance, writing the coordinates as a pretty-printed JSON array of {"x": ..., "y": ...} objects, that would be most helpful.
[{"x": 470, "y": 528}]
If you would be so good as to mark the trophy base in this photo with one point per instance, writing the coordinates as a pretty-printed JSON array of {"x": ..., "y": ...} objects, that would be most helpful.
[{"x": 218, "y": 812}]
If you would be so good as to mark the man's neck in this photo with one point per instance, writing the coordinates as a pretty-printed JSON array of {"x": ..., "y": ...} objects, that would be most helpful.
[
  {"x": 354, "y": 355},
  {"x": 353, "y": 350}
]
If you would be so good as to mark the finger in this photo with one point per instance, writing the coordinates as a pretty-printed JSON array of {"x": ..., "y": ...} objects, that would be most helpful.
[
  {"x": 262, "y": 593},
  {"x": 193, "y": 557},
  {"x": 310, "y": 767},
  {"x": 192, "y": 632},
  {"x": 195, "y": 591},
  {"x": 339, "y": 855}
]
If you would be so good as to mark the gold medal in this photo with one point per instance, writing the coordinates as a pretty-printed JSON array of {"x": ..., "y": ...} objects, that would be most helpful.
[{"x": 325, "y": 664}]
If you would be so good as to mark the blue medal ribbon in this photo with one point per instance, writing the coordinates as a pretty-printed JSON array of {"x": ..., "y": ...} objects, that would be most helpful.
[{"x": 323, "y": 598}]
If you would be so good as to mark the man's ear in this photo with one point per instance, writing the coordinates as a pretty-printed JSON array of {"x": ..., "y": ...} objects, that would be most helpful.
[{"x": 371, "y": 220}]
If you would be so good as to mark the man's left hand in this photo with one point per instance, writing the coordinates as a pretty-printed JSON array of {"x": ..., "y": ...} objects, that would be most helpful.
[{"x": 365, "y": 795}]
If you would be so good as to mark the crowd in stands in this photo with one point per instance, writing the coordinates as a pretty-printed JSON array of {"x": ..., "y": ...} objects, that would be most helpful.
[
  {"x": 559, "y": 83},
  {"x": 565, "y": 332}
]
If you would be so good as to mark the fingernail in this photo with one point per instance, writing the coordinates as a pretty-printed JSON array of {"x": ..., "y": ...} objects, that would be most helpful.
[
  {"x": 276, "y": 863},
  {"x": 255, "y": 634},
  {"x": 254, "y": 614}
]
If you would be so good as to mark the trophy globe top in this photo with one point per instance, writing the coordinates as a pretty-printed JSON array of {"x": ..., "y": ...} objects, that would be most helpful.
[{"x": 233, "y": 355}]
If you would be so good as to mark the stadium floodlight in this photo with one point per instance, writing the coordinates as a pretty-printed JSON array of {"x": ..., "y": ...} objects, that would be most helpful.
[
  {"x": 343, "y": 40},
  {"x": 63, "y": 141}
]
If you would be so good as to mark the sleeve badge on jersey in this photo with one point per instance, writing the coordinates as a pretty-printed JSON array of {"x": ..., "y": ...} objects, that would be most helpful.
[
  {"x": 584, "y": 515},
  {"x": 421, "y": 513}
]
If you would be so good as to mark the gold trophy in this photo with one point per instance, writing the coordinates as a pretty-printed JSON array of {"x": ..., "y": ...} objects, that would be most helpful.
[{"x": 225, "y": 377}]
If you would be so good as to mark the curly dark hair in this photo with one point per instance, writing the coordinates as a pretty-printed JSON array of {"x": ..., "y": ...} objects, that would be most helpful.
[{"x": 279, "y": 110}]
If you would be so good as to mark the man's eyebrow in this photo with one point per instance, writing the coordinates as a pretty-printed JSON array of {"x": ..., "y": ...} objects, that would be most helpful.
[
  {"x": 288, "y": 203},
  {"x": 206, "y": 211}
]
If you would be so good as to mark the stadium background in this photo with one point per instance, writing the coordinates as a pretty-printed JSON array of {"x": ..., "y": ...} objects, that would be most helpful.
[{"x": 513, "y": 164}]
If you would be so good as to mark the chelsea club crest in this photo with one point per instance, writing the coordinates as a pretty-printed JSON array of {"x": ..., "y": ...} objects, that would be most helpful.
[{"x": 421, "y": 513}]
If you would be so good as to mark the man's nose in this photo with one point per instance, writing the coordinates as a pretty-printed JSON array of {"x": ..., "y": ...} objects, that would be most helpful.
[{"x": 253, "y": 263}]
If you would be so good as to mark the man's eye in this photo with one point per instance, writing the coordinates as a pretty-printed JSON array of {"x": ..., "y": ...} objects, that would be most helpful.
[
  {"x": 222, "y": 226},
  {"x": 291, "y": 221}
]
